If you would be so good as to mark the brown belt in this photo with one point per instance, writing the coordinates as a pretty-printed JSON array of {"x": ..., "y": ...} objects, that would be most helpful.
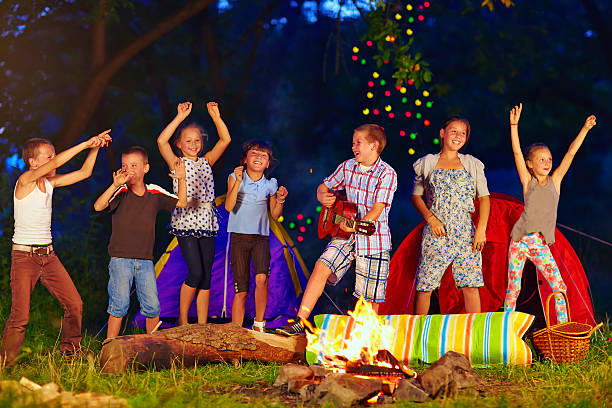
[{"x": 34, "y": 249}]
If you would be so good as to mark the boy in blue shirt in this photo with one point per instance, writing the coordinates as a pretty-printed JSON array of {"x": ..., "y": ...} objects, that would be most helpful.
[{"x": 249, "y": 193}]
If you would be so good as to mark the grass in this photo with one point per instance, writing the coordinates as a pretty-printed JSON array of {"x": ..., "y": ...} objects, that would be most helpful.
[
  {"x": 580, "y": 385},
  {"x": 585, "y": 384}
]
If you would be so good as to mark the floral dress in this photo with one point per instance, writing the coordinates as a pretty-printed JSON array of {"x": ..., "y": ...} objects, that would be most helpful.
[{"x": 449, "y": 196}]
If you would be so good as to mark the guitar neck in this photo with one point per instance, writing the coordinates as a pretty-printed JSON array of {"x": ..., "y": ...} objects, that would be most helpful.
[{"x": 339, "y": 218}]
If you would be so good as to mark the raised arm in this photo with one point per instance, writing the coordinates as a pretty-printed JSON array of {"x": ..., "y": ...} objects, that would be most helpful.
[
  {"x": 277, "y": 201},
  {"x": 183, "y": 110},
  {"x": 519, "y": 160},
  {"x": 233, "y": 185},
  {"x": 560, "y": 172},
  {"x": 224, "y": 136},
  {"x": 120, "y": 177},
  {"x": 31, "y": 176},
  {"x": 85, "y": 171}
]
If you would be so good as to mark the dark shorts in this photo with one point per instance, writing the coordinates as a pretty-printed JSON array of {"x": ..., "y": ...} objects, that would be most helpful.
[{"x": 244, "y": 248}]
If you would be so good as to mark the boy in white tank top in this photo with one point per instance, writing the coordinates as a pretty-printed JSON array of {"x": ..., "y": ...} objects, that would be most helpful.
[{"x": 32, "y": 256}]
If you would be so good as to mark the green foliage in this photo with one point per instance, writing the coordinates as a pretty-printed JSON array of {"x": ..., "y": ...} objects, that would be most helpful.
[{"x": 387, "y": 32}]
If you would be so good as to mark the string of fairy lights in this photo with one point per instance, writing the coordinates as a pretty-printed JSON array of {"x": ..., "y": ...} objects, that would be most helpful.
[{"x": 401, "y": 109}]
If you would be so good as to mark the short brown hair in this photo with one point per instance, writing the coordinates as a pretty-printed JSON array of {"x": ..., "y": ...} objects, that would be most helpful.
[
  {"x": 30, "y": 148},
  {"x": 374, "y": 133},
  {"x": 138, "y": 150}
]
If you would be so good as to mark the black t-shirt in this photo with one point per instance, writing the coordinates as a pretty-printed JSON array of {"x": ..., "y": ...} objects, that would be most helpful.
[{"x": 133, "y": 234}]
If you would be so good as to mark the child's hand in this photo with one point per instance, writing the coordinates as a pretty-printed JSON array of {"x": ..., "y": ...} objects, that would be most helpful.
[
  {"x": 437, "y": 228},
  {"x": 515, "y": 114},
  {"x": 344, "y": 227},
  {"x": 238, "y": 173},
  {"x": 590, "y": 122},
  {"x": 281, "y": 194},
  {"x": 326, "y": 198},
  {"x": 183, "y": 110},
  {"x": 179, "y": 170},
  {"x": 120, "y": 177},
  {"x": 480, "y": 239},
  {"x": 213, "y": 110},
  {"x": 101, "y": 140}
]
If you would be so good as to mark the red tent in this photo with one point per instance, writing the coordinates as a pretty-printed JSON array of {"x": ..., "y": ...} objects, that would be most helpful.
[{"x": 505, "y": 210}]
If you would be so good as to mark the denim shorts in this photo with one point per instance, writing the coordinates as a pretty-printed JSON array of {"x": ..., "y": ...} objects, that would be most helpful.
[{"x": 122, "y": 272}]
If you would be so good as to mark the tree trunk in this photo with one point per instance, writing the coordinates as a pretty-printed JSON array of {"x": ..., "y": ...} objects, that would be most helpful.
[
  {"x": 89, "y": 98},
  {"x": 192, "y": 344}
]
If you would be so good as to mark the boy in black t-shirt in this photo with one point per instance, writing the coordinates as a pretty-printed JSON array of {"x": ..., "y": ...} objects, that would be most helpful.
[{"x": 134, "y": 207}]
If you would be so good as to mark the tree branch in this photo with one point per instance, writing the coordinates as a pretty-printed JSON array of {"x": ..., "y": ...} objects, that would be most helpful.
[{"x": 89, "y": 98}]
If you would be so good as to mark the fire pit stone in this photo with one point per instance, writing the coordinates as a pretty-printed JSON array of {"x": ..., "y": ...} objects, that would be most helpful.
[
  {"x": 410, "y": 390},
  {"x": 292, "y": 373},
  {"x": 451, "y": 372},
  {"x": 320, "y": 370},
  {"x": 344, "y": 390}
]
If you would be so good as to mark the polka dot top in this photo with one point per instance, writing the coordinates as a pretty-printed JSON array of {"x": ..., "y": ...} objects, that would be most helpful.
[{"x": 199, "y": 218}]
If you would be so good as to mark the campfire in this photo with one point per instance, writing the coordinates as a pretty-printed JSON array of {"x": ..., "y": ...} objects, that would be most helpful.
[
  {"x": 364, "y": 351},
  {"x": 356, "y": 365}
]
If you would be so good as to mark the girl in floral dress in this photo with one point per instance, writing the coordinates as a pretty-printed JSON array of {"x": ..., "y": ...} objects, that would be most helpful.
[{"x": 450, "y": 181}]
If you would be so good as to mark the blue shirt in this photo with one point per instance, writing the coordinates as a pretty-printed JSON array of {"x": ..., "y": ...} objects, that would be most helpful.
[{"x": 250, "y": 214}]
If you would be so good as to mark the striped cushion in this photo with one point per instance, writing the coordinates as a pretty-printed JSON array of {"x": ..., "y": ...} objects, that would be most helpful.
[{"x": 485, "y": 338}]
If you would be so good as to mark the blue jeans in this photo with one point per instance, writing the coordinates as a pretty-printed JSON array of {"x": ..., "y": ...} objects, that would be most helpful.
[{"x": 122, "y": 272}]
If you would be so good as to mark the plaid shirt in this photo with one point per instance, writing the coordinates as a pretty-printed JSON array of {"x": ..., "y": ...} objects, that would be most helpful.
[{"x": 376, "y": 185}]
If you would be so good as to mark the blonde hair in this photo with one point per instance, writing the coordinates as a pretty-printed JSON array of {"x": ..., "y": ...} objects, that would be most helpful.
[
  {"x": 374, "y": 133},
  {"x": 30, "y": 148}
]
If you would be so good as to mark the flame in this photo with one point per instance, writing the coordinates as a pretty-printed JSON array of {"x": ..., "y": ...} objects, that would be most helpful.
[{"x": 368, "y": 335}]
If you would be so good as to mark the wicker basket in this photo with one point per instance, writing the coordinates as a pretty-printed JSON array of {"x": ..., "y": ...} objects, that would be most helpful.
[{"x": 563, "y": 342}]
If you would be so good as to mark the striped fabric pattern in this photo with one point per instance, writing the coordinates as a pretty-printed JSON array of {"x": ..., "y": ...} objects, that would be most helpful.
[{"x": 485, "y": 338}]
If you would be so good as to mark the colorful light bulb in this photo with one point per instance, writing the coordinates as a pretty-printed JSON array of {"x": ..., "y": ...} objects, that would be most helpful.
[{"x": 411, "y": 151}]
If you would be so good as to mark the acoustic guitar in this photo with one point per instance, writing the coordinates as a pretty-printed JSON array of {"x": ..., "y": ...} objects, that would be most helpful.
[{"x": 331, "y": 218}]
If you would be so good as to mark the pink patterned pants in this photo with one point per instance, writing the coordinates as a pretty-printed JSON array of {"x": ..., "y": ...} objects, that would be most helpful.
[{"x": 533, "y": 247}]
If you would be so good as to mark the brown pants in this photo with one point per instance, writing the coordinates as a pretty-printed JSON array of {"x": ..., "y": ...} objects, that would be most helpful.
[{"x": 26, "y": 270}]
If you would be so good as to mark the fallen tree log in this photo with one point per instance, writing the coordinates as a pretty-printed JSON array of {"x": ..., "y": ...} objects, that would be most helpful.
[{"x": 197, "y": 343}]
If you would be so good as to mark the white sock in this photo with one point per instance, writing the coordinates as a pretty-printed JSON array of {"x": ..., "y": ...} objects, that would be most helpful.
[{"x": 260, "y": 325}]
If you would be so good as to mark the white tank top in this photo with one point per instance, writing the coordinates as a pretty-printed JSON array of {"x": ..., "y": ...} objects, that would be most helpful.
[{"x": 33, "y": 217}]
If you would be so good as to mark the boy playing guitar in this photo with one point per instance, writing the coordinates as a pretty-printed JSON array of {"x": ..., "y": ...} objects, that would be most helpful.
[{"x": 369, "y": 183}]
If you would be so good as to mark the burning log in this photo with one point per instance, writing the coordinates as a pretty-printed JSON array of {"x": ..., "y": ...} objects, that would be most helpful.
[{"x": 196, "y": 343}]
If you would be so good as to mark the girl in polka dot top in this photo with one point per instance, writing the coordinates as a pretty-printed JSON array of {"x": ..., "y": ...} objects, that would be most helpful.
[{"x": 196, "y": 225}]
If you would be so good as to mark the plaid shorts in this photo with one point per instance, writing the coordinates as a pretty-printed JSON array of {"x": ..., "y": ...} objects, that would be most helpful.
[{"x": 371, "y": 271}]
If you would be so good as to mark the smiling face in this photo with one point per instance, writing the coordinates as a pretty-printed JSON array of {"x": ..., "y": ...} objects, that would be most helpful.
[
  {"x": 454, "y": 135},
  {"x": 44, "y": 153},
  {"x": 365, "y": 151},
  {"x": 257, "y": 160},
  {"x": 136, "y": 167},
  {"x": 539, "y": 161},
  {"x": 190, "y": 142}
]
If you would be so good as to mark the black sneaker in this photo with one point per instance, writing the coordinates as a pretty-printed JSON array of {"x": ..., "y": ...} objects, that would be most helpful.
[{"x": 292, "y": 328}]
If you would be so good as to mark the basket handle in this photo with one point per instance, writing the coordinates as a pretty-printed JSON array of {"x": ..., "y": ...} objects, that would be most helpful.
[
  {"x": 594, "y": 329},
  {"x": 569, "y": 318}
]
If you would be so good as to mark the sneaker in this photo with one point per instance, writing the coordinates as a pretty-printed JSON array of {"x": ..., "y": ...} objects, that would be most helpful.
[
  {"x": 259, "y": 326},
  {"x": 293, "y": 328}
]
